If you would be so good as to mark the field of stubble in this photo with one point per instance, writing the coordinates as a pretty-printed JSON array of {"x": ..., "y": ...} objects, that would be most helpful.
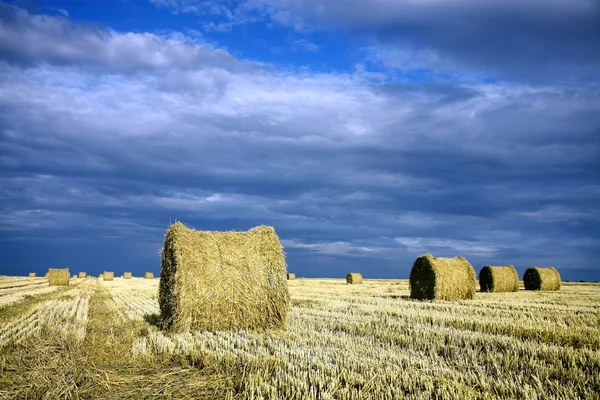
[{"x": 99, "y": 340}]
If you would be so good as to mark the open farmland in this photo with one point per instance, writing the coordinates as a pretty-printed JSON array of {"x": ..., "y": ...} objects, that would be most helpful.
[{"x": 97, "y": 339}]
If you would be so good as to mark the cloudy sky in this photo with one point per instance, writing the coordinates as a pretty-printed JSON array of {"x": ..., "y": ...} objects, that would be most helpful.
[{"x": 367, "y": 132}]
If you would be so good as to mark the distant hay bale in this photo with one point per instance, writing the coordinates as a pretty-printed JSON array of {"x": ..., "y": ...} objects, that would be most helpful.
[
  {"x": 149, "y": 275},
  {"x": 442, "y": 279},
  {"x": 354, "y": 278},
  {"x": 100, "y": 276},
  {"x": 108, "y": 275},
  {"x": 291, "y": 277},
  {"x": 536, "y": 278},
  {"x": 58, "y": 277},
  {"x": 83, "y": 274},
  {"x": 127, "y": 275},
  {"x": 32, "y": 274},
  {"x": 242, "y": 274},
  {"x": 499, "y": 279}
]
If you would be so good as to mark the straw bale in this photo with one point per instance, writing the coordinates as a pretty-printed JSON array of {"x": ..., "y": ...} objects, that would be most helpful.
[
  {"x": 536, "y": 278},
  {"x": 83, "y": 274},
  {"x": 442, "y": 278},
  {"x": 291, "y": 277},
  {"x": 223, "y": 280},
  {"x": 32, "y": 274},
  {"x": 149, "y": 275},
  {"x": 100, "y": 276},
  {"x": 108, "y": 275},
  {"x": 58, "y": 277},
  {"x": 127, "y": 275},
  {"x": 499, "y": 279},
  {"x": 354, "y": 278}
]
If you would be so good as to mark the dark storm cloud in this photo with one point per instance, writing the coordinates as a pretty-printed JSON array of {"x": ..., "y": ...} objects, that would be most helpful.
[
  {"x": 527, "y": 40},
  {"x": 350, "y": 172}
]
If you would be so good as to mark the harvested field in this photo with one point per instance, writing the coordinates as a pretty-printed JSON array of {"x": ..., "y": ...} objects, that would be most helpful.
[{"x": 342, "y": 341}]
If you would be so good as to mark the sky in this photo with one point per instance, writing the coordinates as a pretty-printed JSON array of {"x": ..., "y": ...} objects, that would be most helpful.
[{"x": 367, "y": 132}]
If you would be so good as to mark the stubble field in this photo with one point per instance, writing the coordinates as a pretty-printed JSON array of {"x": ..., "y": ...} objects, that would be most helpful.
[{"x": 100, "y": 340}]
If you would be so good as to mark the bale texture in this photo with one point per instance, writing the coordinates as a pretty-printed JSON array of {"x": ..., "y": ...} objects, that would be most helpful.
[
  {"x": 58, "y": 277},
  {"x": 32, "y": 275},
  {"x": 222, "y": 280},
  {"x": 83, "y": 274},
  {"x": 442, "y": 278},
  {"x": 536, "y": 278},
  {"x": 108, "y": 275},
  {"x": 149, "y": 275},
  {"x": 499, "y": 279},
  {"x": 127, "y": 275},
  {"x": 354, "y": 278},
  {"x": 291, "y": 277}
]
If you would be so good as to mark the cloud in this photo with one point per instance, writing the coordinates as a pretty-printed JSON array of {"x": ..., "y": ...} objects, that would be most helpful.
[
  {"x": 27, "y": 39},
  {"x": 93, "y": 145},
  {"x": 459, "y": 36}
]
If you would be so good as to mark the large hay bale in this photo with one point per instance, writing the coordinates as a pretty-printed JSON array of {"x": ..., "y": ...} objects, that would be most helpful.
[
  {"x": 149, "y": 275},
  {"x": 58, "y": 277},
  {"x": 108, "y": 275},
  {"x": 32, "y": 274},
  {"x": 127, "y": 275},
  {"x": 442, "y": 278},
  {"x": 83, "y": 274},
  {"x": 223, "y": 280},
  {"x": 291, "y": 277},
  {"x": 536, "y": 278},
  {"x": 354, "y": 278},
  {"x": 499, "y": 279}
]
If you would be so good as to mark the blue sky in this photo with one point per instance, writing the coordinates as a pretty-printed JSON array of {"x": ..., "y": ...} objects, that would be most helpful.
[{"x": 365, "y": 132}]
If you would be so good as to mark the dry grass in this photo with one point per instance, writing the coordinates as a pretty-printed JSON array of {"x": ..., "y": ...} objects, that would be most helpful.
[
  {"x": 242, "y": 273},
  {"x": 58, "y": 277},
  {"x": 433, "y": 278},
  {"x": 499, "y": 279},
  {"x": 354, "y": 278},
  {"x": 541, "y": 279},
  {"x": 370, "y": 341}
]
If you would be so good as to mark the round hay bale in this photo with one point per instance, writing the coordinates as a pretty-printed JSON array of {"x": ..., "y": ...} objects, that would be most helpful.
[
  {"x": 291, "y": 277},
  {"x": 222, "y": 280},
  {"x": 100, "y": 276},
  {"x": 83, "y": 274},
  {"x": 536, "y": 278},
  {"x": 108, "y": 275},
  {"x": 127, "y": 275},
  {"x": 32, "y": 274},
  {"x": 58, "y": 277},
  {"x": 149, "y": 275},
  {"x": 440, "y": 278},
  {"x": 499, "y": 279},
  {"x": 354, "y": 278}
]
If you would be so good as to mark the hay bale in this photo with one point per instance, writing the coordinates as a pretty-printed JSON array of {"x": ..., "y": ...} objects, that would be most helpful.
[
  {"x": 291, "y": 277},
  {"x": 442, "y": 278},
  {"x": 536, "y": 278},
  {"x": 499, "y": 279},
  {"x": 58, "y": 277},
  {"x": 83, "y": 274},
  {"x": 108, "y": 275},
  {"x": 32, "y": 274},
  {"x": 127, "y": 275},
  {"x": 100, "y": 276},
  {"x": 354, "y": 278},
  {"x": 149, "y": 275},
  {"x": 223, "y": 280}
]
